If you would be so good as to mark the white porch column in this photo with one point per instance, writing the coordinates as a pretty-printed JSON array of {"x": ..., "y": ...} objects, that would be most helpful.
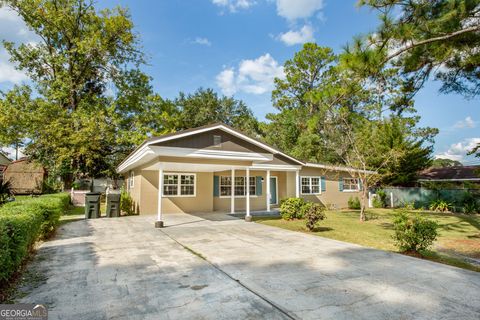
[
  {"x": 297, "y": 184},
  {"x": 232, "y": 195},
  {"x": 268, "y": 195},
  {"x": 159, "y": 222},
  {"x": 248, "y": 217}
]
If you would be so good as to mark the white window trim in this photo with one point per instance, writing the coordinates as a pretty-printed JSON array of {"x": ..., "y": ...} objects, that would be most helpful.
[
  {"x": 131, "y": 180},
  {"x": 179, "y": 184},
  {"x": 229, "y": 196},
  {"x": 310, "y": 185},
  {"x": 351, "y": 190}
]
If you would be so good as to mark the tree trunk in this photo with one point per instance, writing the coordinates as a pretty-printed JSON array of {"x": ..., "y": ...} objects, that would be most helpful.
[{"x": 362, "y": 203}]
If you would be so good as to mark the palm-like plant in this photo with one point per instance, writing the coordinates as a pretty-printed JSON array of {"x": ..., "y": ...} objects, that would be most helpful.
[{"x": 5, "y": 191}]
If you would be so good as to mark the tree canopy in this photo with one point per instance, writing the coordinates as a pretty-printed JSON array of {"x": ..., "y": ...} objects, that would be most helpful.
[
  {"x": 445, "y": 163},
  {"x": 204, "y": 106},
  {"x": 435, "y": 37}
]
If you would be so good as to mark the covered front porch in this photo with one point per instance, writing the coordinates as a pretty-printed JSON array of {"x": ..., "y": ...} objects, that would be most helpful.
[{"x": 236, "y": 188}]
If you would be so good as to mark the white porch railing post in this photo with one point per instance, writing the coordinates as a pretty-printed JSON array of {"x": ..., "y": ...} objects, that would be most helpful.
[
  {"x": 248, "y": 217},
  {"x": 159, "y": 222},
  {"x": 232, "y": 195},
  {"x": 268, "y": 195},
  {"x": 297, "y": 184}
]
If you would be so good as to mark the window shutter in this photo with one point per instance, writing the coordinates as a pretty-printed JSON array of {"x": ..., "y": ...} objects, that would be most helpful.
[
  {"x": 258, "y": 186},
  {"x": 324, "y": 185},
  {"x": 340, "y": 184},
  {"x": 216, "y": 185},
  {"x": 360, "y": 185}
]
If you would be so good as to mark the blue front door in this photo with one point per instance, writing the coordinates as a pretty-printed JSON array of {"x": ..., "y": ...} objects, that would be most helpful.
[{"x": 273, "y": 190}]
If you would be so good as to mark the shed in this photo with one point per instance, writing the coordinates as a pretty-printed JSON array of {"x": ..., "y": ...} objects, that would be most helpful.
[{"x": 25, "y": 177}]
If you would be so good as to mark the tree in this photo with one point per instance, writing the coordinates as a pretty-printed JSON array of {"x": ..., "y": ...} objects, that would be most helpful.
[
  {"x": 445, "y": 163},
  {"x": 439, "y": 37},
  {"x": 92, "y": 102},
  {"x": 15, "y": 122},
  {"x": 204, "y": 106},
  {"x": 297, "y": 128},
  {"x": 413, "y": 143},
  {"x": 334, "y": 109}
]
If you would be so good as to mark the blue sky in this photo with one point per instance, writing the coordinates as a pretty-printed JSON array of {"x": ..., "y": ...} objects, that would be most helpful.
[{"x": 238, "y": 46}]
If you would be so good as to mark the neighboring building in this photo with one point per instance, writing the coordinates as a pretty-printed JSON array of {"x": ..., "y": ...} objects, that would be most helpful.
[
  {"x": 198, "y": 169},
  {"x": 460, "y": 175},
  {"x": 25, "y": 177},
  {"x": 4, "y": 162}
]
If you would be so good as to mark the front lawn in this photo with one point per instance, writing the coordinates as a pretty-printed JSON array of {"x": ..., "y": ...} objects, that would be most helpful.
[{"x": 458, "y": 242}]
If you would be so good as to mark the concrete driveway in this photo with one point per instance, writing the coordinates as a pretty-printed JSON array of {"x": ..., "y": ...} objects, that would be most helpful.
[{"x": 217, "y": 267}]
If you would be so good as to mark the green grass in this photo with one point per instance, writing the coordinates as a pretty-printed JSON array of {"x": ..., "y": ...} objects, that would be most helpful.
[{"x": 459, "y": 235}]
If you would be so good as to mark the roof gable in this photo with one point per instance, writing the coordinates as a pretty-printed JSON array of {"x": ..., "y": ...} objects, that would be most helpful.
[
  {"x": 205, "y": 140},
  {"x": 194, "y": 137}
]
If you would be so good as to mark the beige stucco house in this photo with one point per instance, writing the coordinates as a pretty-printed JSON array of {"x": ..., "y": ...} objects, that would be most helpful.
[{"x": 197, "y": 169}]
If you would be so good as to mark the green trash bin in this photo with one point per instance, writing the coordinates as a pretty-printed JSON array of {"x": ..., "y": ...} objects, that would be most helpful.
[
  {"x": 113, "y": 205},
  {"x": 92, "y": 205}
]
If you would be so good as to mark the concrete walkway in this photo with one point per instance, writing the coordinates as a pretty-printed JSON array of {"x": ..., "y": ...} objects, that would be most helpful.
[{"x": 219, "y": 267}]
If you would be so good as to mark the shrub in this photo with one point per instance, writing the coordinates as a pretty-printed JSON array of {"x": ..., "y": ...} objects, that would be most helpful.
[
  {"x": 380, "y": 199},
  {"x": 469, "y": 203},
  {"x": 377, "y": 202},
  {"x": 126, "y": 203},
  {"x": 440, "y": 205},
  {"x": 470, "y": 208},
  {"x": 414, "y": 233},
  {"x": 51, "y": 185},
  {"x": 24, "y": 222},
  {"x": 354, "y": 203},
  {"x": 408, "y": 205},
  {"x": 292, "y": 208},
  {"x": 313, "y": 213}
]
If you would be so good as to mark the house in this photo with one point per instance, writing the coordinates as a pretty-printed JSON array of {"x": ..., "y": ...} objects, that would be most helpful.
[
  {"x": 26, "y": 177},
  {"x": 218, "y": 168},
  {"x": 4, "y": 162},
  {"x": 458, "y": 175}
]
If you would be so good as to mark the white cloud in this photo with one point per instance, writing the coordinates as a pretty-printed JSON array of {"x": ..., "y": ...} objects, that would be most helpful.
[
  {"x": 12, "y": 28},
  {"x": 8, "y": 73},
  {"x": 202, "y": 41},
  {"x": 252, "y": 76},
  {"x": 226, "y": 81},
  {"x": 458, "y": 151},
  {"x": 466, "y": 123},
  {"x": 298, "y": 9},
  {"x": 290, "y": 38},
  {"x": 234, "y": 5}
]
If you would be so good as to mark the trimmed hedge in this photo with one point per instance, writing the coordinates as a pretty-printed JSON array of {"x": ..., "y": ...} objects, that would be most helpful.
[{"x": 24, "y": 222}]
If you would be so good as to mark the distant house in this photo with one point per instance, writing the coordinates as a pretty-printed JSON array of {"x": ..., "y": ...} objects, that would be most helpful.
[
  {"x": 4, "y": 162},
  {"x": 455, "y": 175},
  {"x": 25, "y": 177}
]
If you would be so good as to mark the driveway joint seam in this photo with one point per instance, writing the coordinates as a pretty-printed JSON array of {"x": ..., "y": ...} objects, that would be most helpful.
[{"x": 271, "y": 303}]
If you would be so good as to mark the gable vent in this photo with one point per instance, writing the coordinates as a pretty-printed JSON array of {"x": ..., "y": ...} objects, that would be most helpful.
[{"x": 217, "y": 140}]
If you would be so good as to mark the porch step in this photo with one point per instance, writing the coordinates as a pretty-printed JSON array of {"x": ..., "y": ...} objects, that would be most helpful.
[{"x": 275, "y": 212}]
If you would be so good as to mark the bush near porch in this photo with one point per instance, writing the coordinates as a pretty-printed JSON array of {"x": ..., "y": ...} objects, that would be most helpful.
[
  {"x": 457, "y": 242},
  {"x": 22, "y": 223}
]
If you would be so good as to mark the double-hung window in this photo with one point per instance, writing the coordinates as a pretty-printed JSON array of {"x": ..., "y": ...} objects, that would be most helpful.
[
  {"x": 178, "y": 184},
  {"x": 351, "y": 184},
  {"x": 310, "y": 185},
  {"x": 240, "y": 186}
]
